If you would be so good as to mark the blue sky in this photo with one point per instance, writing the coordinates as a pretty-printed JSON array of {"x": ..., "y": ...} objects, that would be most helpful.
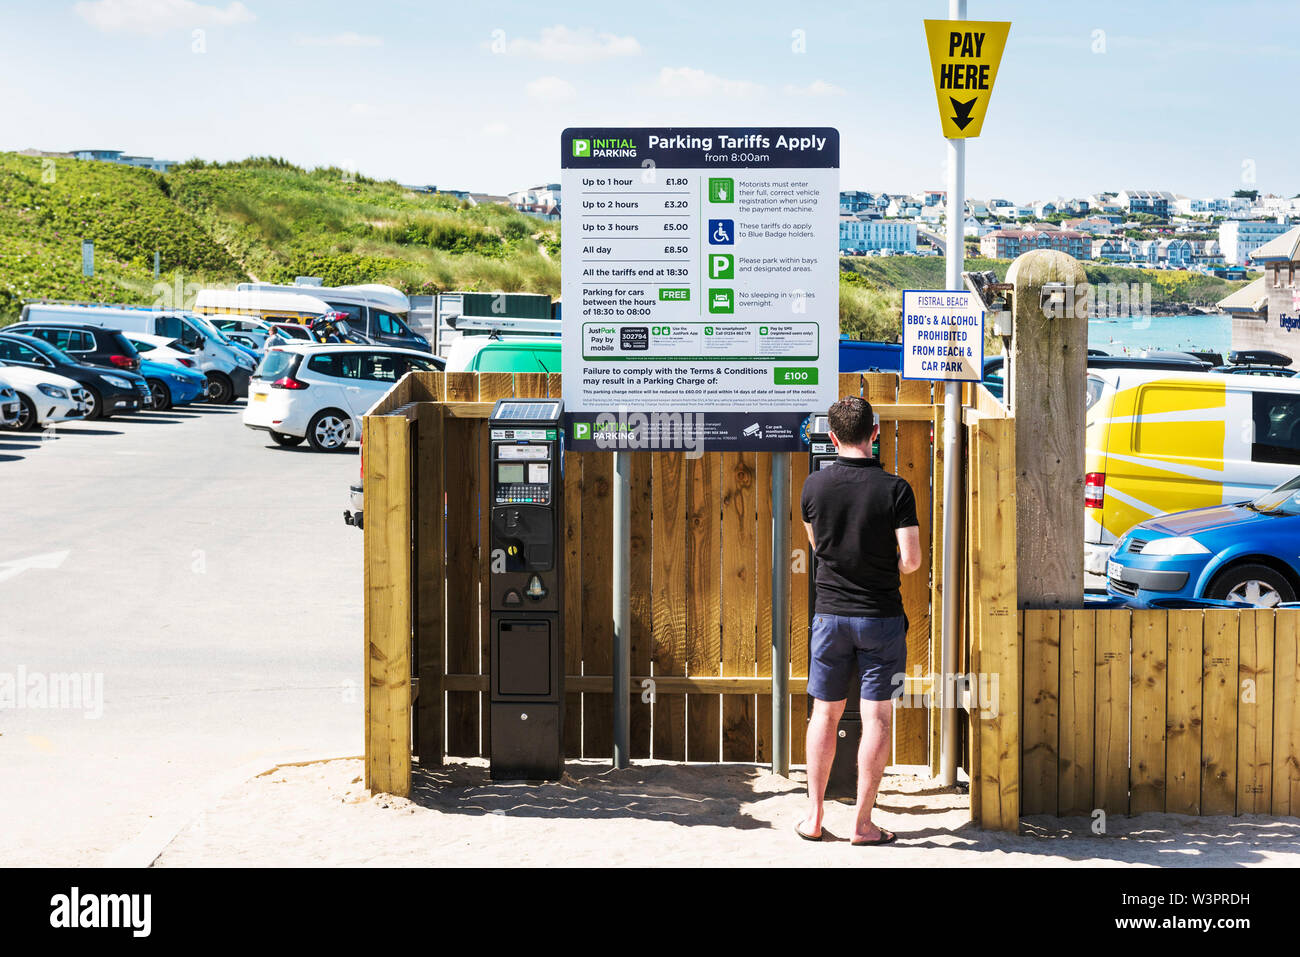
[{"x": 1090, "y": 96}]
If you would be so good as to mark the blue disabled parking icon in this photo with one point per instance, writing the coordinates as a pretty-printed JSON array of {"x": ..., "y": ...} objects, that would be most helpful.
[{"x": 722, "y": 232}]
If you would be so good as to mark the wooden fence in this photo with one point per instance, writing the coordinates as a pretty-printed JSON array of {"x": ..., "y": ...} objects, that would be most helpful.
[
  {"x": 1187, "y": 712},
  {"x": 701, "y": 602}
]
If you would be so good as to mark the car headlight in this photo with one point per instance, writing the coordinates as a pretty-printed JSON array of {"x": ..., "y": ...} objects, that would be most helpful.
[
  {"x": 117, "y": 382},
  {"x": 53, "y": 391},
  {"x": 1180, "y": 545}
]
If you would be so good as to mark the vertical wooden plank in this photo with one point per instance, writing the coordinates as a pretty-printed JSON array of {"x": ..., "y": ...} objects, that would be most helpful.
[
  {"x": 763, "y": 600},
  {"x": 1255, "y": 712},
  {"x": 999, "y": 646},
  {"x": 597, "y": 600},
  {"x": 1110, "y": 729},
  {"x": 642, "y": 638},
  {"x": 573, "y": 608},
  {"x": 703, "y": 603},
  {"x": 912, "y": 732},
  {"x": 430, "y": 577},
  {"x": 1219, "y": 711},
  {"x": 668, "y": 618},
  {"x": 491, "y": 386},
  {"x": 554, "y": 386},
  {"x": 387, "y": 609},
  {"x": 1286, "y": 714},
  {"x": 1078, "y": 640},
  {"x": 936, "y": 587},
  {"x": 463, "y": 480},
  {"x": 530, "y": 385},
  {"x": 1147, "y": 720},
  {"x": 1042, "y": 644},
  {"x": 739, "y": 601},
  {"x": 850, "y": 384},
  {"x": 1183, "y": 728},
  {"x": 970, "y": 656},
  {"x": 800, "y": 580},
  {"x": 913, "y": 392}
]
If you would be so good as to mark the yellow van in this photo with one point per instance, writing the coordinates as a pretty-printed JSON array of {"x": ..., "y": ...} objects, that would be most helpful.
[{"x": 1160, "y": 442}]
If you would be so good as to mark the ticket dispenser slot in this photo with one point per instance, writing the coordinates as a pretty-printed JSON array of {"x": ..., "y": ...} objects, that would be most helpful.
[
  {"x": 526, "y": 589},
  {"x": 843, "y": 780}
]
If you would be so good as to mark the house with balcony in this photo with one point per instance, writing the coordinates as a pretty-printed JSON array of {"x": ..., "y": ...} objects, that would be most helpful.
[
  {"x": 1266, "y": 313},
  {"x": 1240, "y": 238},
  {"x": 864, "y": 233},
  {"x": 1009, "y": 243},
  {"x": 1147, "y": 201}
]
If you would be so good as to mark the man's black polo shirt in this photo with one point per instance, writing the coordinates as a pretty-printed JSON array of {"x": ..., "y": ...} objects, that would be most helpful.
[{"x": 855, "y": 507}]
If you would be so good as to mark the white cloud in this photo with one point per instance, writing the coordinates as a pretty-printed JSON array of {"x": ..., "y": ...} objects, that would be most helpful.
[
  {"x": 815, "y": 88},
  {"x": 573, "y": 46},
  {"x": 347, "y": 39},
  {"x": 495, "y": 129},
  {"x": 155, "y": 16},
  {"x": 551, "y": 88},
  {"x": 688, "y": 81}
]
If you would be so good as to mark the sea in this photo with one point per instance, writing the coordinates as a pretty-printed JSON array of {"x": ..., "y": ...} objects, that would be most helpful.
[{"x": 1131, "y": 335}]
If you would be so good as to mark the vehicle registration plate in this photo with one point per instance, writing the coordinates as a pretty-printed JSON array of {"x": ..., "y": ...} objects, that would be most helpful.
[
  {"x": 259, "y": 396},
  {"x": 1113, "y": 570}
]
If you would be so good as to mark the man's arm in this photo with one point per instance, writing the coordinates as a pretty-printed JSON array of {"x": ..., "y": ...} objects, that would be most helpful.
[
  {"x": 909, "y": 549},
  {"x": 808, "y": 528}
]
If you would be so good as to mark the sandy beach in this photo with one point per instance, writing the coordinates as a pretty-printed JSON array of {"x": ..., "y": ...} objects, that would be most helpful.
[{"x": 664, "y": 815}]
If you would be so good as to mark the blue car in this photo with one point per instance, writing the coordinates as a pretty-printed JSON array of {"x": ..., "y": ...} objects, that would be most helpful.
[
  {"x": 1247, "y": 552},
  {"x": 171, "y": 385}
]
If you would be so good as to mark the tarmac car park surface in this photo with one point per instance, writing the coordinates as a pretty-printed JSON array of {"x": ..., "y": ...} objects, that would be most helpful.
[{"x": 204, "y": 575}]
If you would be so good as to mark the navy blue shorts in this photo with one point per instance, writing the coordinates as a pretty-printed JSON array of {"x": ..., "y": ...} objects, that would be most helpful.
[{"x": 874, "y": 650}]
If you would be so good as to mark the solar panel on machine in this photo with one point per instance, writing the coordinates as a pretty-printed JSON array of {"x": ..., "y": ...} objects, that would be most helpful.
[{"x": 543, "y": 411}]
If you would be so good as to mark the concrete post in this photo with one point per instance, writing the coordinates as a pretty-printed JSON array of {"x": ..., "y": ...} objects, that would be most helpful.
[{"x": 1045, "y": 388}]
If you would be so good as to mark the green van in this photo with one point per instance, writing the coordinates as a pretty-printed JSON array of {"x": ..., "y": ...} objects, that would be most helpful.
[{"x": 511, "y": 354}]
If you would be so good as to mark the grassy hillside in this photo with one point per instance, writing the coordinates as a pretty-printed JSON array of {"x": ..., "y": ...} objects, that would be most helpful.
[{"x": 259, "y": 218}]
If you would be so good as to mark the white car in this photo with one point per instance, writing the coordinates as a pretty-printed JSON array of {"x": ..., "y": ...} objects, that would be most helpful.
[
  {"x": 161, "y": 349},
  {"x": 320, "y": 392},
  {"x": 9, "y": 406},
  {"x": 43, "y": 397}
]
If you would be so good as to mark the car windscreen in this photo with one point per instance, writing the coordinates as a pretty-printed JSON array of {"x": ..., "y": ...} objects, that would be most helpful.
[
  {"x": 45, "y": 349},
  {"x": 275, "y": 364},
  {"x": 1284, "y": 499},
  {"x": 1096, "y": 386}
]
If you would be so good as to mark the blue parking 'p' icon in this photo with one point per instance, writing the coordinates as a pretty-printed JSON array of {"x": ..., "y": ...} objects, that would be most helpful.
[{"x": 722, "y": 232}]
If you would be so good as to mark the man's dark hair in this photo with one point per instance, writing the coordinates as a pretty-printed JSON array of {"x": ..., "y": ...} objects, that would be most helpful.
[{"x": 851, "y": 420}]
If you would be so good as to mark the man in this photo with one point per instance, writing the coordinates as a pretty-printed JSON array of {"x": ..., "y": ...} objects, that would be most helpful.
[{"x": 861, "y": 524}]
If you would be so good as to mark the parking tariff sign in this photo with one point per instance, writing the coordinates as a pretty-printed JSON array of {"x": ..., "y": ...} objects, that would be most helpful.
[
  {"x": 943, "y": 336},
  {"x": 700, "y": 280}
]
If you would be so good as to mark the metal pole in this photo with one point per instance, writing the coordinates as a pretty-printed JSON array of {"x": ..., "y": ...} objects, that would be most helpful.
[
  {"x": 781, "y": 613},
  {"x": 952, "y": 459},
  {"x": 622, "y": 606}
]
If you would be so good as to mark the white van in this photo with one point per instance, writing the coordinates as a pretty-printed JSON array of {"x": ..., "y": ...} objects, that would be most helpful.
[
  {"x": 227, "y": 368},
  {"x": 379, "y": 312}
]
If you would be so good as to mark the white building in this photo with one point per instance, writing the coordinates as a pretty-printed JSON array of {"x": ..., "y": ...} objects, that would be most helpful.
[
  {"x": 1239, "y": 238},
  {"x": 868, "y": 235}
]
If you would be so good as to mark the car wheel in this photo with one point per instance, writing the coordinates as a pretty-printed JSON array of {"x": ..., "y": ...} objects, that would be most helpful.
[
  {"x": 95, "y": 407},
  {"x": 329, "y": 430},
  {"x": 220, "y": 391},
  {"x": 26, "y": 420},
  {"x": 160, "y": 398},
  {"x": 288, "y": 441},
  {"x": 1256, "y": 585}
]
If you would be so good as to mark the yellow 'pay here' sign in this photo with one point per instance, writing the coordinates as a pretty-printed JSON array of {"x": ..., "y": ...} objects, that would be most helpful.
[{"x": 964, "y": 55}]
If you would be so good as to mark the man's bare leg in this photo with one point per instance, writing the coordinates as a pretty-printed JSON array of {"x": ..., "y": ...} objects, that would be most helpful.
[
  {"x": 822, "y": 728},
  {"x": 873, "y": 755}
]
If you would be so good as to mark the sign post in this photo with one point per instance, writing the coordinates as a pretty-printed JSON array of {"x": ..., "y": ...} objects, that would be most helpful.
[
  {"x": 700, "y": 283},
  {"x": 964, "y": 58}
]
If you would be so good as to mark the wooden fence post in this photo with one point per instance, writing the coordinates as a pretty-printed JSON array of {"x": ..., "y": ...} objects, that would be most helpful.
[{"x": 388, "y": 589}]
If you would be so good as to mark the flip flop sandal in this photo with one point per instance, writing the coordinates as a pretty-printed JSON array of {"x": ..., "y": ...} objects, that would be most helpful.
[
  {"x": 804, "y": 836},
  {"x": 886, "y": 837}
]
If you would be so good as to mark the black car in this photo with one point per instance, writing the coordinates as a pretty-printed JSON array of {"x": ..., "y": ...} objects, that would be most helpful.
[
  {"x": 79, "y": 340},
  {"x": 111, "y": 389}
]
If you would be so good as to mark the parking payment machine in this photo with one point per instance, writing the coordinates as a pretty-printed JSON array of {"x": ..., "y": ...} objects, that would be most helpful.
[
  {"x": 843, "y": 781},
  {"x": 527, "y": 589}
]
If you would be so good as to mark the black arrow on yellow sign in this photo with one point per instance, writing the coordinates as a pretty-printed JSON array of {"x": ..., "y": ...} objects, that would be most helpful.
[{"x": 962, "y": 110}]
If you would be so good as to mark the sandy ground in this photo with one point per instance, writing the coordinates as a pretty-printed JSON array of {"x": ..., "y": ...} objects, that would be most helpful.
[{"x": 657, "y": 814}]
